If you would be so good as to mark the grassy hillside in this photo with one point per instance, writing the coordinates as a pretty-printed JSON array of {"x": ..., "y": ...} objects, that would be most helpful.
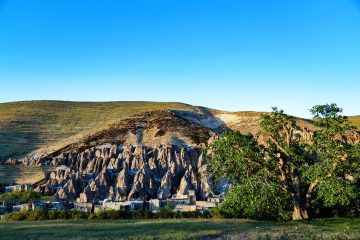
[
  {"x": 182, "y": 229},
  {"x": 26, "y": 126},
  {"x": 51, "y": 125},
  {"x": 355, "y": 120},
  {"x": 19, "y": 174}
]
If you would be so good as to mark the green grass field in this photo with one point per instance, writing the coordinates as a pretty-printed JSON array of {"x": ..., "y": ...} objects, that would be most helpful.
[
  {"x": 355, "y": 120},
  {"x": 26, "y": 126},
  {"x": 181, "y": 229}
]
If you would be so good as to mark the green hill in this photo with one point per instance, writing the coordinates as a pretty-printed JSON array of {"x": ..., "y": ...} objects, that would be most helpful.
[
  {"x": 29, "y": 125},
  {"x": 355, "y": 120}
]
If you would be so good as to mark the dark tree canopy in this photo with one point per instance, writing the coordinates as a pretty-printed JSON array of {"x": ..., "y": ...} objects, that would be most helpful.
[{"x": 300, "y": 163}]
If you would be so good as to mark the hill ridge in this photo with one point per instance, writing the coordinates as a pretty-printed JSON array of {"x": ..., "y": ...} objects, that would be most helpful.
[{"x": 27, "y": 126}]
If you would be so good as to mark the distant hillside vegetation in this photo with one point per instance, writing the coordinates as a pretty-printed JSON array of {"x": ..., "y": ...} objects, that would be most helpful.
[
  {"x": 29, "y": 125},
  {"x": 355, "y": 120}
]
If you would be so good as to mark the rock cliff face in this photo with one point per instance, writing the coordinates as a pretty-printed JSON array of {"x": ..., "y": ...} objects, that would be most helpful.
[{"x": 122, "y": 173}]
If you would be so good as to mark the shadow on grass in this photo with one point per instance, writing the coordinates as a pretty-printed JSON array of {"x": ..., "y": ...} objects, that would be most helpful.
[
  {"x": 122, "y": 229},
  {"x": 176, "y": 229}
]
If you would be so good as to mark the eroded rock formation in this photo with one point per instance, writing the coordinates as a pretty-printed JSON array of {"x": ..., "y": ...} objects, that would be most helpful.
[{"x": 120, "y": 173}]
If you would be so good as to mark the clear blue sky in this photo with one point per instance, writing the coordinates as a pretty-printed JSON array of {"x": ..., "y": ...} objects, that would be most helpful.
[{"x": 231, "y": 55}]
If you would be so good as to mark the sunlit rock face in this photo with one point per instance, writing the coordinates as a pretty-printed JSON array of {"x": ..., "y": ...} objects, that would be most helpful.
[{"x": 120, "y": 173}]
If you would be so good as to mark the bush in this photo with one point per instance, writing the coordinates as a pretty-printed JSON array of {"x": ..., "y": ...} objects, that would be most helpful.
[
  {"x": 37, "y": 215},
  {"x": 110, "y": 214},
  {"x": 23, "y": 196},
  {"x": 141, "y": 214},
  {"x": 16, "y": 216},
  {"x": 75, "y": 214},
  {"x": 56, "y": 215},
  {"x": 30, "y": 215},
  {"x": 256, "y": 200},
  {"x": 40, "y": 214},
  {"x": 166, "y": 212}
]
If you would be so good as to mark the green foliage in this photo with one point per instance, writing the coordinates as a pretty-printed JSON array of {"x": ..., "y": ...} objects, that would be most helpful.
[
  {"x": 324, "y": 166},
  {"x": 17, "y": 216},
  {"x": 37, "y": 215},
  {"x": 337, "y": 162},
  {"x": 256, "y": 199},
  {"x": 166, "y": 212},
  {"x": 122, "y": 214},
  {"x": 335, "y": 192},
  {"x": 23, "y": 196},
  {"x": 57, "y": 214},
  {"x": 41, "y": 214},
  {"x": 273, "y": 124},
  {"x": 235, "y": 156},
  {"x": 31, "y": 215}
]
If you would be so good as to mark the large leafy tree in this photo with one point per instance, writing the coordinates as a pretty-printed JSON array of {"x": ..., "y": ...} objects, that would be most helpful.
[{"x": 300, "y": 163}]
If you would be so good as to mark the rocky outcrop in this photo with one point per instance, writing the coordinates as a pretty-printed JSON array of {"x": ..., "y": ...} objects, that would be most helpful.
[
  {"x": 188, "y": 182},
  {"x": 122, "y": 184},
  {"x": 352, "y": 137},
  {"x": 165, "y": 190},
  {"x": 120, "y": 173},
  {"x": 68, "y": 191},
  {"x": 11, "y": 162},
  {"x": 144, "y": 186}
]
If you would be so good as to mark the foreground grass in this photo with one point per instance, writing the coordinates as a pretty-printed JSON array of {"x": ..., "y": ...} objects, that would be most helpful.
[{"x": 181, "y": 229}]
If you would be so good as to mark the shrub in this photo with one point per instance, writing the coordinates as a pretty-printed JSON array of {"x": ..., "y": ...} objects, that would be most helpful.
[
  {"x": 75, "y": 214},
  {"x": 16, "y": 216},
  {"x": 37, "y": 215},
  {"x": 141, "y": 214},
  {"x": 166, "y": 212},
  {"x": 55, "y": 215},
  {"x": 256, "y": 200},
  {"x": 23, "y": 196}
]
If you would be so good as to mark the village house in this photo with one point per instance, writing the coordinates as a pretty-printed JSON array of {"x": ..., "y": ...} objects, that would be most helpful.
[
  {"x": 185, "y": 208},
  {"x": 154, "y": 205},
  {"x": 216, "y": 198},
  {"x": 84, "y": 207},
  {"x": 22, "y": 207},
  {"x": 106, "y": 205},
  {"x": 17, "y": 188},
  {"x": 204, "y": 205},
  {"x": 55, "y": 206},
  {"x": 138, "y": 205}
]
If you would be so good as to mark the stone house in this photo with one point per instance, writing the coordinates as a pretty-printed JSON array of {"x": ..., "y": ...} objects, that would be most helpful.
[
  {"x": 17, "y": 188},
  {"x": 84, "y": 207}
]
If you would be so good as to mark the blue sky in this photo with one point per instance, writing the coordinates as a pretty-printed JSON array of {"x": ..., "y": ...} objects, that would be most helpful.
[{"x": 231, "y": 55}]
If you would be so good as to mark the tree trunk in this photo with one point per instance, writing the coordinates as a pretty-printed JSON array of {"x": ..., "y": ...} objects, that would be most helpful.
[{"x": 300, "y": 212}]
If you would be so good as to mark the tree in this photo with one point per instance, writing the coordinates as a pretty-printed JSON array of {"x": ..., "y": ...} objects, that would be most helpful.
[
  {"x": 301, "y": 165},
  {"x": 256, "y": 199}
]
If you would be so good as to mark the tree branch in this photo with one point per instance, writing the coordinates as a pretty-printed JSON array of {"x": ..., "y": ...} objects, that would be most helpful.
[
  {"x": 283, "y": 177},
  {"x": 278, "y": 146}
]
